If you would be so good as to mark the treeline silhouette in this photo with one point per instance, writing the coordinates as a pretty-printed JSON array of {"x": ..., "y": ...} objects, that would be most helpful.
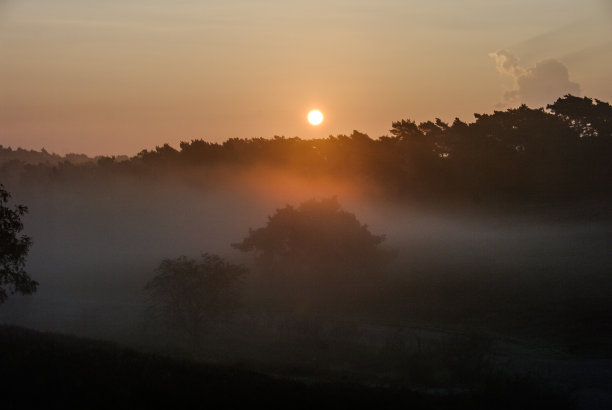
[
  {"x": 521, "y": 154},
  {"x": 33, "y": 157}
]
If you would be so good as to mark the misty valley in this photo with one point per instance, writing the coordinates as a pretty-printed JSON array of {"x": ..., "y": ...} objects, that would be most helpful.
[{"x": 444, "y": 265}]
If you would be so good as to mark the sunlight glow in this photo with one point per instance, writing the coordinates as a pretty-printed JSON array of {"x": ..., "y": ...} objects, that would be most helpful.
[{"x": 315, "y": 117}]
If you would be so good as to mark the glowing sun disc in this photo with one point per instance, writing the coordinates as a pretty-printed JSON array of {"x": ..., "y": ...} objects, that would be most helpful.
[{"x": 315, "y": 117}]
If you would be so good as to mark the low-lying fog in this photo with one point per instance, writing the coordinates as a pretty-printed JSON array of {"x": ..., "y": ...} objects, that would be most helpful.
[{"x": 95, "y": 247}]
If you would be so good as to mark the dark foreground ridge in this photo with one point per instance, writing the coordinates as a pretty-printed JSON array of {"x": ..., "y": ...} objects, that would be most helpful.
[{"x": 45, "y": 370}]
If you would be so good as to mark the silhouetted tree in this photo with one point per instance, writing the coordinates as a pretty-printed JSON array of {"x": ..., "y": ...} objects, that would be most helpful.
[
  {"x": 13, "y": 250},
  {"x": 316, "y": 238},
  {"x": 590, "y": 118},
  {"x": 187, "y": 293},
  {"x": 405, "y": 129},
  {"x": 518, "y": 155}
]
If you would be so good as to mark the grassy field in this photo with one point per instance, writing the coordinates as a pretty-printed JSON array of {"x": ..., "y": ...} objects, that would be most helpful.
[{"x": 46, "y": 370}]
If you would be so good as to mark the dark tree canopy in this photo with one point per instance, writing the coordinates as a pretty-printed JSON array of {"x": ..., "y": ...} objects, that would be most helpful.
[
  {"x": 559, "y": 155},
  {"x": 316, "y": 238},
  {"x": 590, "y": 118},
  {"x": 13, "y": 250},
  {"x": 187, "y": 293}
]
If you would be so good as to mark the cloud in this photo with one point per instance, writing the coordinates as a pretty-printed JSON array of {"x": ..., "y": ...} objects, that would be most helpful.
[
  {"x": 536, "y": 86},
  {"x": 507, "y": 63}
]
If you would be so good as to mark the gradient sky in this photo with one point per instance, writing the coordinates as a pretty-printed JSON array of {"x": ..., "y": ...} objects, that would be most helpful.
[{"x": 115, "y": 77}]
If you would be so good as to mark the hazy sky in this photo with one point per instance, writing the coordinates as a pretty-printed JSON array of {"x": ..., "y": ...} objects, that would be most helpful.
[{"x": 114, "y": 77}]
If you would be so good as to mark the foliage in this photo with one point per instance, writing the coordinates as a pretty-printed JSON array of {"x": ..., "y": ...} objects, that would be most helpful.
[
  {"x": 520, "y": 155},
  {"x": 316, "y": 238},
  {"x": 590, "y": 118},
  {"x": 187, "y": 293},
  {"x": 13, "y": 250}
]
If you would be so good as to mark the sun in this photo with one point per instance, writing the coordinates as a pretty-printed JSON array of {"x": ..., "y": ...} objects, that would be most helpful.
[{"x": 315, "y": 117}]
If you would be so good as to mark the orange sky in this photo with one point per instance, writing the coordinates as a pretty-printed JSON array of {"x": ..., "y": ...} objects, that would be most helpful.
[{"x": 115, "y": 77}]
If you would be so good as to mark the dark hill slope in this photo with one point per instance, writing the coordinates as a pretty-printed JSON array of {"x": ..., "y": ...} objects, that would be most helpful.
[{"x": 43, "y": 370}]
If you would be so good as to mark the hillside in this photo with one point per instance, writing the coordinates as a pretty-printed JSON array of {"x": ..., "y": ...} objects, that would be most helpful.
[{"x": 58, "y": 371}]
